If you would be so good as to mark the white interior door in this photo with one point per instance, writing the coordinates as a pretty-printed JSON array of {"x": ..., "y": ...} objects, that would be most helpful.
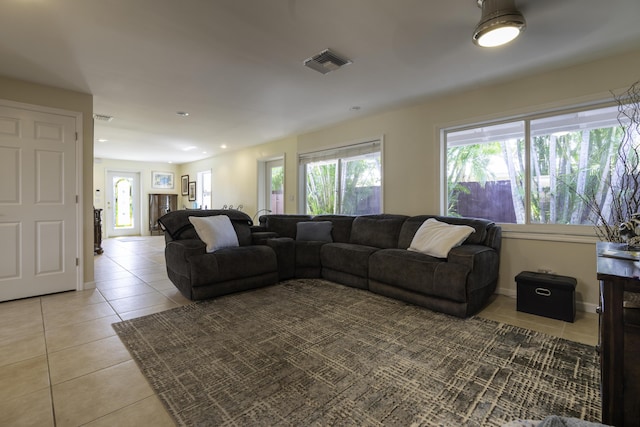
[
  {"x": 38, "y": 202},
  {"x": 123, "y": 204}
]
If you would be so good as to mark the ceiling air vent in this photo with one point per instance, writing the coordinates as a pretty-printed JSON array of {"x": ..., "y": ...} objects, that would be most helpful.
[
  {"x": 102, "y": 117},
  {"x": 326, "y": 61}
]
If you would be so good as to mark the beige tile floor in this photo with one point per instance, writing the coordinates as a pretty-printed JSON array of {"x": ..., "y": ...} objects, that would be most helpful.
[{"x": 62, "y": 364}]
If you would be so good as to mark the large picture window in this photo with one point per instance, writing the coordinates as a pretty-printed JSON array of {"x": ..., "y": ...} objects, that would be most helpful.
[
  {"x": 538, "y": 170},
  {"x": 345, "y": 181}
]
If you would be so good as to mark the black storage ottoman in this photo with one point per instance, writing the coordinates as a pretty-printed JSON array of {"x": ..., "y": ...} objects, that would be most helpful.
[{"x": 547, "y": 295}]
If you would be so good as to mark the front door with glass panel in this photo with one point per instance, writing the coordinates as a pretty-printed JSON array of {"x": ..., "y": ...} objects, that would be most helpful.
[{"x": 123, "y": 200}]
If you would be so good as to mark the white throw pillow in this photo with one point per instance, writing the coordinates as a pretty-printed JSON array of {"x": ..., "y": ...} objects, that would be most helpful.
[
  {"x": 437, "y": 238},
  {"x": 216, "y": 231}
]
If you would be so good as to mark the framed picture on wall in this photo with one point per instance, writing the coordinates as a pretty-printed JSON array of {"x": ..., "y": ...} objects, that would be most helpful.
[
  {"x": 184, "y": 184},
  {"x": 162, "y": 180},
  {"x": 192, "y": 191}
]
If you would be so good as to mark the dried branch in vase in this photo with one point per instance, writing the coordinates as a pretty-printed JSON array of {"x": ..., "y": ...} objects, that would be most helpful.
[{"x": 614, "y": 209}]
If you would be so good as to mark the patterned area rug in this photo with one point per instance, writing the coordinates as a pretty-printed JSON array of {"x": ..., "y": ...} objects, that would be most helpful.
[{"x": 310, "y": 352}]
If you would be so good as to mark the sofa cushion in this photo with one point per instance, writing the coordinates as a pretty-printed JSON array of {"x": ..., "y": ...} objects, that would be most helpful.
[
  {"x": 314, "y": 231},
  {"x": 347, "y": 257},
  {"x": 308, "y": 253},
  {"x": 436, "y": 238},
  {"x": 216, "y": 232},
  {"x": 341, "y": 226},
  {"x": 232, "y": 264},
  {"x": 380, "y": 231},
  {"x": 420, "y": 273}
]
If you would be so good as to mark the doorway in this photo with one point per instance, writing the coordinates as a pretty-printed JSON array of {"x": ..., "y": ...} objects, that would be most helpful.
[
  {"x": 274, "y": 181},
  {"x": 203, "y": 190},
  {"x": 123, "y": 204}
]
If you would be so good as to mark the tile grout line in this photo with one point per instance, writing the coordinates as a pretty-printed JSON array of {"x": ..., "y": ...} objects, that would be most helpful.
[{"x": 46, "y": 352}]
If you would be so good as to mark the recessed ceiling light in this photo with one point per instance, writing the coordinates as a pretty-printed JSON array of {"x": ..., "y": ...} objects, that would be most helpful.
[
  {"x": 223, "y": 146},
  {"x": 189, "y": 148},
  {"x": 182, "y": 113},
  {"x": 102, "y": 140}
]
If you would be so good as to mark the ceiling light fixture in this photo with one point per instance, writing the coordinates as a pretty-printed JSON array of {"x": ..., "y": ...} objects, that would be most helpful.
[
  {"x": 500, "y": 23},
  {"x": 102, "y": 117},
  {"x": 182, "y": 113}
]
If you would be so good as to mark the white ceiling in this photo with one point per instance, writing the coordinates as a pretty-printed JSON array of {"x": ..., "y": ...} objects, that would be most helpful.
[{"x": 236, "y": 65}]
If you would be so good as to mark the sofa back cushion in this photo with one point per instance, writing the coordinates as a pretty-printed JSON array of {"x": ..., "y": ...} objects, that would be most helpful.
[
  {"x": 283, "y": 225},
  {"x": 341, "y": 231},
  {"x": 314, "y": 231},
  {"x": 412, "y": 225},
  {"x": 177, "y": 226},
  {"x": 379, "y": 231}
]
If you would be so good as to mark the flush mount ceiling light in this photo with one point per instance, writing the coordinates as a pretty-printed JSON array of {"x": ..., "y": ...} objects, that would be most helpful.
[
  {"x": 326, "y": 61},
  {"x": 500, "y": 23}
]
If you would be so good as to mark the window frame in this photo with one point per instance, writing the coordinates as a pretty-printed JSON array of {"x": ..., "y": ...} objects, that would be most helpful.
[
  {"x": 580, "y": 233},
  {"x": 339, "y": 150}
]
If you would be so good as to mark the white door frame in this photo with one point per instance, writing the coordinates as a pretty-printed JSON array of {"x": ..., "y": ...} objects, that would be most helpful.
[
  {"x": 108, "y": 217},
  {"x": 269, "y": 166},
  {"x": 263, "y": 182},
  {"x": 79, "y": 178}
]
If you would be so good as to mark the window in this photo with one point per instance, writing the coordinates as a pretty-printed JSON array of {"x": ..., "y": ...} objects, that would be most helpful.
[
  {"x": 538, "y": 170},
  {"x": 203, "y": 189},
  {"x": 346, "y": 180}
]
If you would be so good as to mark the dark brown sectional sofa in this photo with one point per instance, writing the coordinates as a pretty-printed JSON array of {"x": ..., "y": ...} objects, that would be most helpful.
[{"x": 367, "y": 252}]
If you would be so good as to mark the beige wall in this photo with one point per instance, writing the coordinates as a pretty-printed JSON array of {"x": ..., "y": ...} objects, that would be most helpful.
[
  {"x": 145, "y": 169},
  {"x": 234, "y": 175},
  {"x": 31, "y": 93},
  {"x": 412, "y": 158}
]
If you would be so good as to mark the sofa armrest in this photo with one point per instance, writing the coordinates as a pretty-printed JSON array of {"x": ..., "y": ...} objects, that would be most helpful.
[
  {"x": 178, "y": 252},
  {"x": 261, "y": 237},
  {"x": 494, "y": 238},
  {"x": 482, "y": 261},
  {"x": 285, "y": 249}
]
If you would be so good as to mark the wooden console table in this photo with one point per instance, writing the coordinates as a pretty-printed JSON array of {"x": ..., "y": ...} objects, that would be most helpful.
[{"x": 619, "y": 340}]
